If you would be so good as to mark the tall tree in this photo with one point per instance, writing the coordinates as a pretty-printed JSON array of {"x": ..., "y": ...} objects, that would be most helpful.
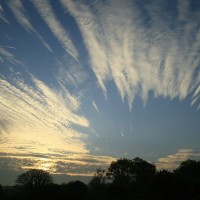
[
  {"x": 164, "y": 186},
  {"x": 133, "y": 178},
  {"x": 34, "y": 179},
  {"x": 126, "y": 171},
  {"x": 188, "y": 179},
  {"x": 99, "y": 178}
]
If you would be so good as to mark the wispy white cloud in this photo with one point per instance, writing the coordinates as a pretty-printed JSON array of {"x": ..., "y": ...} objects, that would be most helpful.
[
  {"x": 172, "y": 161},
  {"x": 20, "y": 14},
  {"x": 23, "y": 19},
  {"x": 131, "y": 127},
  {"x": 85, "y": 19},
  {"x": 37, "y": 130},
  {"x": 41, "y": 115},
  {"x": 48, "y": 15},
  {"x": 2, "y": 15},
  {"x": 9, "y": 47},
  {"x": 196, "y": 97},
  {"x": 139, "y": 54},
  {"x": 95, "y": 106},
  {"x": 122, "y": 134},
  {"x": 71, "y": 72},
  {"x": 8, "y": 56}
]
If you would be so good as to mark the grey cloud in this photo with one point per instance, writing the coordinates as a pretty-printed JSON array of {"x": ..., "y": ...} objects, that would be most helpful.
[
  {"x": 84, "y": 164},
  {"x": 64, "y": 168}
]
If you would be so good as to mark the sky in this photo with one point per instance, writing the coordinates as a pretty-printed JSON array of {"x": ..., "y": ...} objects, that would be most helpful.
[{"x": 83, "y": 83}]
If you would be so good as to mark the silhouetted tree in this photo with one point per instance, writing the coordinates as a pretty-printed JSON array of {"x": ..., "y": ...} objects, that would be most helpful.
[
  {"x": 98, "y": 185},
  {"x": 188, "y": 179},
  {"x": 190, "y": 169},
  {"x": 131, "y": 177},
  {"x": 50, "y": 191},
  {"x": 99, "y": 178},
  {"x": 126, "y": 171},
  {"x": 1, "y": 190},
  {"x": 121, "y": 171},
  {"x": 34, "y": 179},
  {"x": 164, "y": 185},
  {"x": 74, "y": 190}
]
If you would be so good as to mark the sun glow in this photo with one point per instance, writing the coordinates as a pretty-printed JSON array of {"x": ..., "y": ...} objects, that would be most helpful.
[{"x": 44, "y": 164}]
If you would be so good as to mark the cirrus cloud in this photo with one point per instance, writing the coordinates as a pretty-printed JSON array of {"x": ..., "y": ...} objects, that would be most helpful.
[
  {"x": 45, "y": 10},
  {"x": 37, "y": 130},
  {"x": 141, "y": 54},
  {"x": 172, "y": 161}
]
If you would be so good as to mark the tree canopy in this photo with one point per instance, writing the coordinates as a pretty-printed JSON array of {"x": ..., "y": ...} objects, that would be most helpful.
[
  {"x": 34, "y": 178},
  {"x": 125, "y": 171},
  {"x": 99, "y": 178}
]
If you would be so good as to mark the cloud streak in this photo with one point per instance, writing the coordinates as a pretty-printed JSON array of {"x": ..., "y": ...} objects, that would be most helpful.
[
  {"x": 2, "y": 15},
  {"x": 40, "y": 118},
  {"x": 37, "y": 130},
  {"x": 172, "y": 161},
  {"x": 141, "y": 54},
  {"x": 48, "y": 15},
  {"x": 5, "y": 55},
  {"x": 71, "y": 72},
  {"x": 196, "y": 97},
  {"x": 69, "y": 164},
  {"x": 23, "y": 19},
  {"x": 95, "y": 106}
]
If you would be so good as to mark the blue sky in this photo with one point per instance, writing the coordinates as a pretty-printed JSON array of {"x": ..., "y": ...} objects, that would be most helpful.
[{"x": 83, "y": 83}]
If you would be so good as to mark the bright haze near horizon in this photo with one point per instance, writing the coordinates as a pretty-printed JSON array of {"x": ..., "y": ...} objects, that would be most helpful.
[{"x": 83, "y": 83}]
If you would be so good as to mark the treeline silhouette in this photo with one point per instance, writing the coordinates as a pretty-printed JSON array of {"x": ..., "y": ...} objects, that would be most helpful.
[{"x": 125, "y": 179}]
